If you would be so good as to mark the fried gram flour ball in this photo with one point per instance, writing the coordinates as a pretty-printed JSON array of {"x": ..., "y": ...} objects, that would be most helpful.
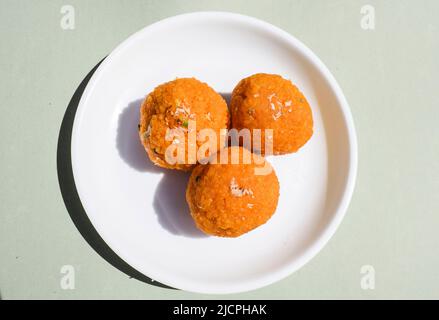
[
  {"x": 228, "y": 200},
  {"x": 268, "y": 101},
  {"x": 168, "y": 113}
]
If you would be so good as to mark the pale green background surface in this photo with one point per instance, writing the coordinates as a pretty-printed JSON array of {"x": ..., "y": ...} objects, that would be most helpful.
[{"x": 389, "y": 76}]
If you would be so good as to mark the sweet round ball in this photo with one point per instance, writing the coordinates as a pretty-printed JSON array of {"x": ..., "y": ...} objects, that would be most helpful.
[
  {"x": 268, "y": 101},
  {"x": 230, "y": 199},
  {"x": 172, "y": 112}
]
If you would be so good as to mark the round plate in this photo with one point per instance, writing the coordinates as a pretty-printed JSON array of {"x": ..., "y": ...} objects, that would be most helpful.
[{"x": 140, "y": 210}]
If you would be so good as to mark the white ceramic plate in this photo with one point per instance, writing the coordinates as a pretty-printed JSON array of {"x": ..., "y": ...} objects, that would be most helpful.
[{"x": 140, "y": 210}]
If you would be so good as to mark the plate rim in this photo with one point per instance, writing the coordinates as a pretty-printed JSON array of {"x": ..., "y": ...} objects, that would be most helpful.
[{"x": 338, "y": 213}]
